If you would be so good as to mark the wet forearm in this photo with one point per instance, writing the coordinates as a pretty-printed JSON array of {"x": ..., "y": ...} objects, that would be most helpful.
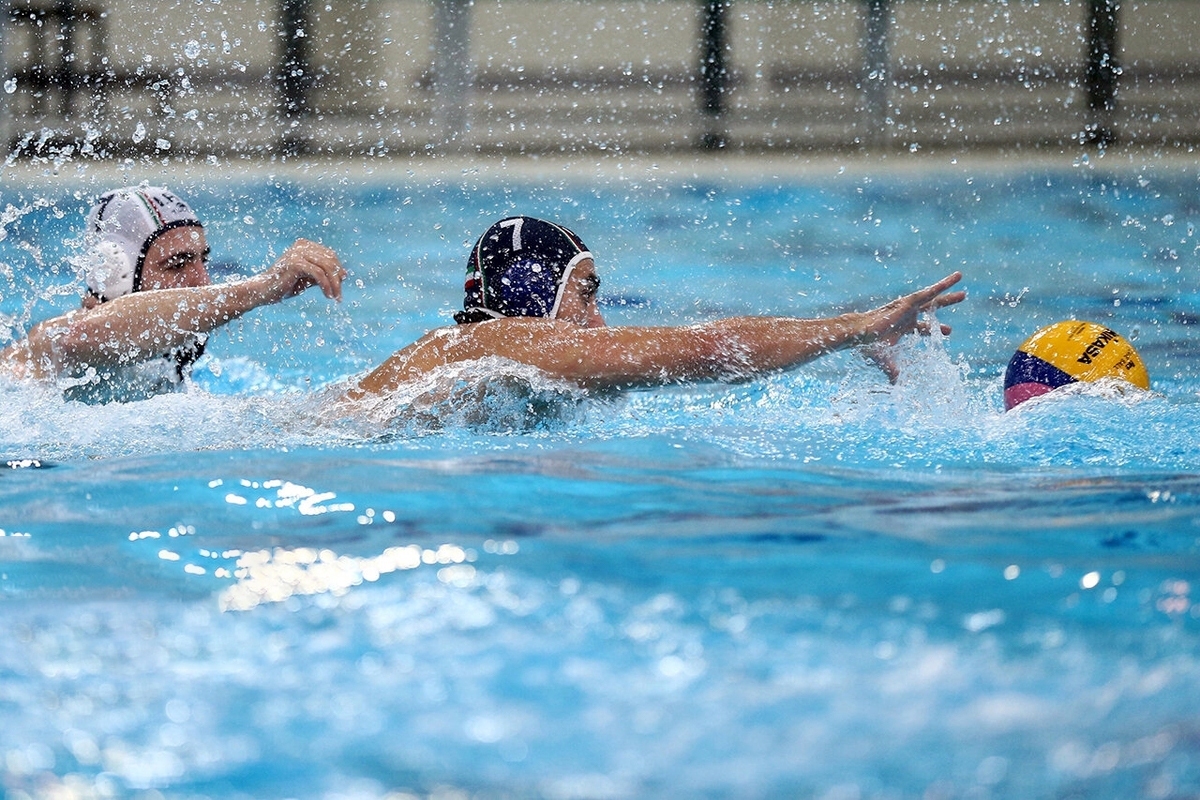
[
  {"x": 753, "y": 345},
  {"x": 131, "y": 327},
  {"x": 731, "y": 349}
]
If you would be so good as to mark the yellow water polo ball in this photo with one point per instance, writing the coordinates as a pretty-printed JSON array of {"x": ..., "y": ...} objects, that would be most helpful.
[{"x": 1068, "y": 352}]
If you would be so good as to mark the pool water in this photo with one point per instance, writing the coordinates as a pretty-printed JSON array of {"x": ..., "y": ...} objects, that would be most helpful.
[{"x": 813, "y": 584}]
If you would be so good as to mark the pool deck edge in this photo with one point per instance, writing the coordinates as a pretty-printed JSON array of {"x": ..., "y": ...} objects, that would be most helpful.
[{"x": 607, "y": 167}]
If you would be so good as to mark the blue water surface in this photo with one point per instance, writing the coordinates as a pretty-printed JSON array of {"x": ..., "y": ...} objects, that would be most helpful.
[{"x": 814, "y": 584}]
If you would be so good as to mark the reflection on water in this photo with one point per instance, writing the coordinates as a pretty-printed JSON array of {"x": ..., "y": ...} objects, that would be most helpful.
[
  {"x": 267, "y": 576},
  {"x": 274, "y": 575}
]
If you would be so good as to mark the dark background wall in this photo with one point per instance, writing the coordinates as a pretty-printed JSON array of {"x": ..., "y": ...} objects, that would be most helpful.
[{"x": 411, "y": 76}]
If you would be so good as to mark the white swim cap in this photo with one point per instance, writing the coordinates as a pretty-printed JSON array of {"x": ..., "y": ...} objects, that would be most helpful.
[{"x": 120, "y": 228}]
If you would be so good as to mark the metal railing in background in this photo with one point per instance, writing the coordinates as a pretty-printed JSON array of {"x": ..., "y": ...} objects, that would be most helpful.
[
  {"x": 62, "y": 60},
  {"x": 295, "y": 76},
  {"x": 1103, "y": 69},
  {"x": 58, "y": 76},
  {"x": 451, "y": 72},
  {"x": 714, "y": 71},
  {"x": 877, "y": 73}
]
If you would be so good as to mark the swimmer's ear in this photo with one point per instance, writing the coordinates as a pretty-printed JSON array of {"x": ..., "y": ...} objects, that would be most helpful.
[{"x": 108, "y": 270}]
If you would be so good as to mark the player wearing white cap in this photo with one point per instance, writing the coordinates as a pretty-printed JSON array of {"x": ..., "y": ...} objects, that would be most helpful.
[{"x": 150, "y": 304}]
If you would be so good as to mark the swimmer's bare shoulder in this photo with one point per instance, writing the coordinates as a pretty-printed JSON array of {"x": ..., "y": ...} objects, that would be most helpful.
[
  {"x": 518, "y": 338},
  {"x": 34, "y": 357}
]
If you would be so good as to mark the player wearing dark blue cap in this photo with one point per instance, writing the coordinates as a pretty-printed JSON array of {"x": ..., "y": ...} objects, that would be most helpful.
[
  {"x": 520, "y": 268},
  {"x": 531, "y": 297}
]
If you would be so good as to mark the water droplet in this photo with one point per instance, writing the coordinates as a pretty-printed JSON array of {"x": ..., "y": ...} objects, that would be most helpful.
[
  {"x": 10, "y": 85},
  {"x": 192, "y": 49},
  {"x": 139, "y": 133}
]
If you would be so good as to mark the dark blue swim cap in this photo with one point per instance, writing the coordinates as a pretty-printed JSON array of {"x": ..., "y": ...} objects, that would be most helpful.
[{"x": 518, "y": 269}]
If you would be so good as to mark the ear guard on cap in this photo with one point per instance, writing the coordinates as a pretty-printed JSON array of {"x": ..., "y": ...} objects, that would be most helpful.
[{"x": 108, "y": 270}]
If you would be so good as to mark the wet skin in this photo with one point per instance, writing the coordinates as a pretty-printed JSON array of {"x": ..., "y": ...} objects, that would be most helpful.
[{"x": 177, "y": 259}]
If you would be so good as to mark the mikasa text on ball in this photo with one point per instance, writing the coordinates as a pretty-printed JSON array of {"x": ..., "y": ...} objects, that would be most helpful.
[{"x": 1067, "y": 352}]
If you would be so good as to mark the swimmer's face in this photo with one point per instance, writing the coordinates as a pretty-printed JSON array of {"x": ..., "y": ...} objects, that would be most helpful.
[
  {"x": 579, "y": 302},
  {"x": 177, "y": 260}
]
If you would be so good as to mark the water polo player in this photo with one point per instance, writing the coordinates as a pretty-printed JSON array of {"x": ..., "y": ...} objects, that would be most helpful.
[
  {"x": 149, "y": 302},
  {"x": 531, "y": 297}
]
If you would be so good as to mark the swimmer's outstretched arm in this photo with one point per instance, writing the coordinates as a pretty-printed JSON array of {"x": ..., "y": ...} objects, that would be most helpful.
[
  {"x": 145, "y": 324},
  {"x": 729, "y": 349},
  {"x": 629, "y": 357}
]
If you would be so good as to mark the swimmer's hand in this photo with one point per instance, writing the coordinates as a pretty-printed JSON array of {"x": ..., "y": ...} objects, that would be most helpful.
[
  {"x": 884, "y": 326},
  {"x": 303, "y": 265},
  {"x": 889, "y": 322}
]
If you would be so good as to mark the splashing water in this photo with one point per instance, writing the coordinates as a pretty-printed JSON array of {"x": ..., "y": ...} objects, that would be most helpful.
[{"x": 816, "y": 583}]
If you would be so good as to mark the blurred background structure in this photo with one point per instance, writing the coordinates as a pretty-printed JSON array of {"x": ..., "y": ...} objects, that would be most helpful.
[{"x": 266, "y": 78}]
